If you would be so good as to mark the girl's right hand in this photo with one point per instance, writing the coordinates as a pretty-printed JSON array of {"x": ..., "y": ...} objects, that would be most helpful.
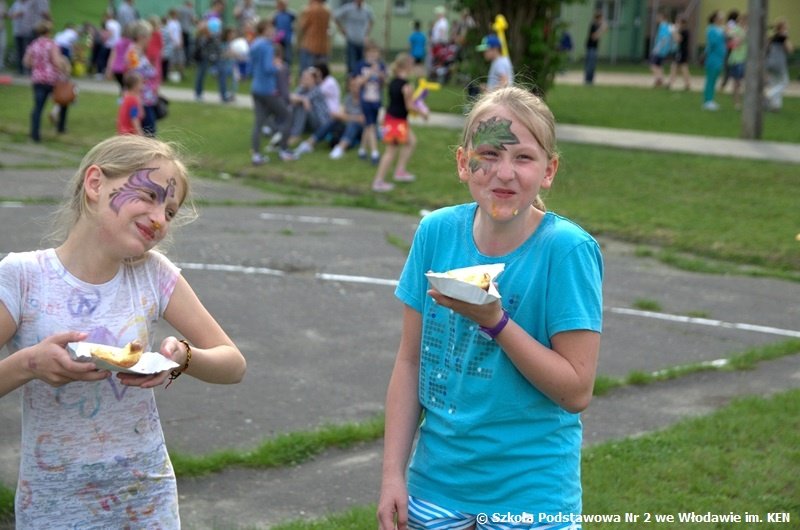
[
  {"x": 50, "y": 361},
  {"x": 393, "y": 502}
]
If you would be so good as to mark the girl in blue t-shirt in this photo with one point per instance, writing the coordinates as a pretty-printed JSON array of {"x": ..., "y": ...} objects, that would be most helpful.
[{"x": 495, "y": 390}]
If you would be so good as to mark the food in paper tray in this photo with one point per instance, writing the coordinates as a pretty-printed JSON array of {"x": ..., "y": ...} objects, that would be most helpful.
[
  {"x": 470, "y": 284},
  {"x": 479, "y": 279},
  {"x": 122, "y": 357},
  {"x": 129, "y": 359}
]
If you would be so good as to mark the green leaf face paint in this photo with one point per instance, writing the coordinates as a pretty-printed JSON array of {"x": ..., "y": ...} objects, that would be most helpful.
[{"x": 495, "y": 132}]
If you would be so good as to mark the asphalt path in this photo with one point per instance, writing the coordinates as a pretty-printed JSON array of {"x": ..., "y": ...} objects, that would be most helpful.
[{"x": 307, "y": 294}]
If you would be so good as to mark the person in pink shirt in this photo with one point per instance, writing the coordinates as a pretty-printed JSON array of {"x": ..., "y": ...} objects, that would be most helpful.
[{"x": 48, "y": 66}]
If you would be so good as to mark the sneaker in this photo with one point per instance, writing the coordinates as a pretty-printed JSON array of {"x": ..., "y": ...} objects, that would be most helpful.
[
  {"x": 375, "y": 158},
  {"x": 362, "y": 154},
  {"x": 404, "y": 177},
  {"x": 336, "y": 153},
  {"x": 259, "y": 159},
  {"x": 381, "y": 187},
  {"x": 286, "y": 155},
  {"x": 302, "y": 149},
  {"x": 710, "y": 105}
]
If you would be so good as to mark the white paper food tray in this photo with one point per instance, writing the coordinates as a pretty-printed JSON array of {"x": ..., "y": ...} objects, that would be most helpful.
[
  {"x": 467, "y": 292},
  {"x": 150, "y": 363}
]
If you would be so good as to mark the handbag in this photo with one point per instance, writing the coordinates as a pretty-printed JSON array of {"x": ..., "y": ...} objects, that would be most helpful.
[
  {"x": 64, "y": 92},
  {"x": 162, "y": 108}
]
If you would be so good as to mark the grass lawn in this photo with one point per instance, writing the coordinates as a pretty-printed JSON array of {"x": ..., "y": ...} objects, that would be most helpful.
[{"x": 741, "y": 459}]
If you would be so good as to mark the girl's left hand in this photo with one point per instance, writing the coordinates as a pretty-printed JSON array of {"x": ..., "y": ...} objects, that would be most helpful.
[
  {"x": 171, "y": 349},
  {"x": 486, "y": 315}
]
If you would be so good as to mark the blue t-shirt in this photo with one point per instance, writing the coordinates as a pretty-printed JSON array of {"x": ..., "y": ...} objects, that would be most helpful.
[
  {"x": 715, "y": 46},
  {"x": 283, "y": 23},
  {"x": 490, "y": 441},
  {"x": 662, "y": 44},
  {"x": 372, "y": 89},
  {"x": 417, "y": 42}
]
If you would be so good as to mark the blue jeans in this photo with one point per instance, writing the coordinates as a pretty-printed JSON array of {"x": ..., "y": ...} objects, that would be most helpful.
[
  {"x": 149, "y": 120},
  {"x": 202, "y": 69},
  {"x": 590, "y": 65},
  {"x": 224, "y": 75},
  {"x": 308, "y": 59},
  {"x": 40, "y": 94},
  {"x": 355, "y": 53},
  {"x": 351, "y": 134}
]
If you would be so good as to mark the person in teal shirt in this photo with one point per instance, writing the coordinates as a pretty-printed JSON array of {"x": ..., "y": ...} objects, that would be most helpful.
[
  {"x": 494, "y": 390},
  {"x": 714, "y": 58}
]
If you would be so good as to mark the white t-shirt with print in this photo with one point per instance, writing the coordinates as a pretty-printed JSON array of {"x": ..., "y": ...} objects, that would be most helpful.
[{"x": 92, "y": 453}]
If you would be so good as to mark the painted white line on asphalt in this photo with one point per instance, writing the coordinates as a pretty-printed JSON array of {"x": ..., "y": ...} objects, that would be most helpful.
[
  {"x": 11, "y": 204},
  {"x": 230, "y": 268},
  {"x": 355, "y": 279},
  {"x": 706, "y": 322},
  {"x": 306, "y": 219},
  {"x": 393, "y": 283}
]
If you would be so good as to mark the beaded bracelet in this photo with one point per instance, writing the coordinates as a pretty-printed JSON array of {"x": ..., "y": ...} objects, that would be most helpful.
[{"x": 174, "y": 374}]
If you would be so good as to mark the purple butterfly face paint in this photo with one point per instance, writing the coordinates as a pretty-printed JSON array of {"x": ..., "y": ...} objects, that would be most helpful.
[{"x": 139, "y": 184}]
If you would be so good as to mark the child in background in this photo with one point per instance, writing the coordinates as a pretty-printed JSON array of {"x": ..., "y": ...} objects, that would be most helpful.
[
  {"x": 418, "y": 46},
  {"x": 228, "y": 84},
  {"x": 371, "y": 73},
  {"x": 396, "y": 129},
  {"x": 494, "y": 390},
  {"x": 129, "y": 116},
  {"x": 93, "y": 452},
  {"x": 350, "y": 118}
]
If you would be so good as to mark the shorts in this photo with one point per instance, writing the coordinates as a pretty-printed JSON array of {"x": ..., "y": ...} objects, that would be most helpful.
[
  {"x": 424, "y": 515},
  {"x": 736, "y": 71},
  {"x": 371, "y": 111},
  {"x": 395, "y": 130},
  {"x": 657, "y": 60}
]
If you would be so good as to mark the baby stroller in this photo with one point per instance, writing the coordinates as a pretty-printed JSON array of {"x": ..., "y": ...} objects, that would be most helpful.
[{"x": 443, "y": 57}]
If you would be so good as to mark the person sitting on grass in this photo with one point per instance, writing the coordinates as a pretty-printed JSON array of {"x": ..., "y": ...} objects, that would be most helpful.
[{"x": 349, "y": 118}]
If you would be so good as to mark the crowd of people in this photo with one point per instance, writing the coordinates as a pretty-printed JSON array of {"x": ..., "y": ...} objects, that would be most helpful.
[
  {"x": 724, "y": 55},
  {"x": 142, "y": 53},
  {"x": 295, "y": 96}
]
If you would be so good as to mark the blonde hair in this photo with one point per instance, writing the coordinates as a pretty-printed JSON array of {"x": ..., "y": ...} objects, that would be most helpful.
[
  {"x": 118, "y": 157},
  {"x": 401, "y": 62},
  {"x": 140, "y": 28},
  {"x": 529, "y": 109}
]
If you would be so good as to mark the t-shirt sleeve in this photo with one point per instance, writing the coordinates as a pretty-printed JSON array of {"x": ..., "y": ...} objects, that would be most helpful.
[
  {"x": 575, "y": 297},
  {"x": 11, "y": 285},
  {"x": 412, "y": 287},
  {"x": 167, "y": 274}
]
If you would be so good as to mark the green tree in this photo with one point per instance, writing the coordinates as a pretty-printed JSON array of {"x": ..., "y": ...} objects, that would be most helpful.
[{"x": 533, "y": 35}]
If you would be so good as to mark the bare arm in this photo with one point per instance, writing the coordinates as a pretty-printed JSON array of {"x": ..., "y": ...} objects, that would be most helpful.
[
  {"x": 47, "y": 360},
  {"x": 565, "y": 373},
  {"x": 402, "y": 420},
  {"x": 215, "y": 358}
]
